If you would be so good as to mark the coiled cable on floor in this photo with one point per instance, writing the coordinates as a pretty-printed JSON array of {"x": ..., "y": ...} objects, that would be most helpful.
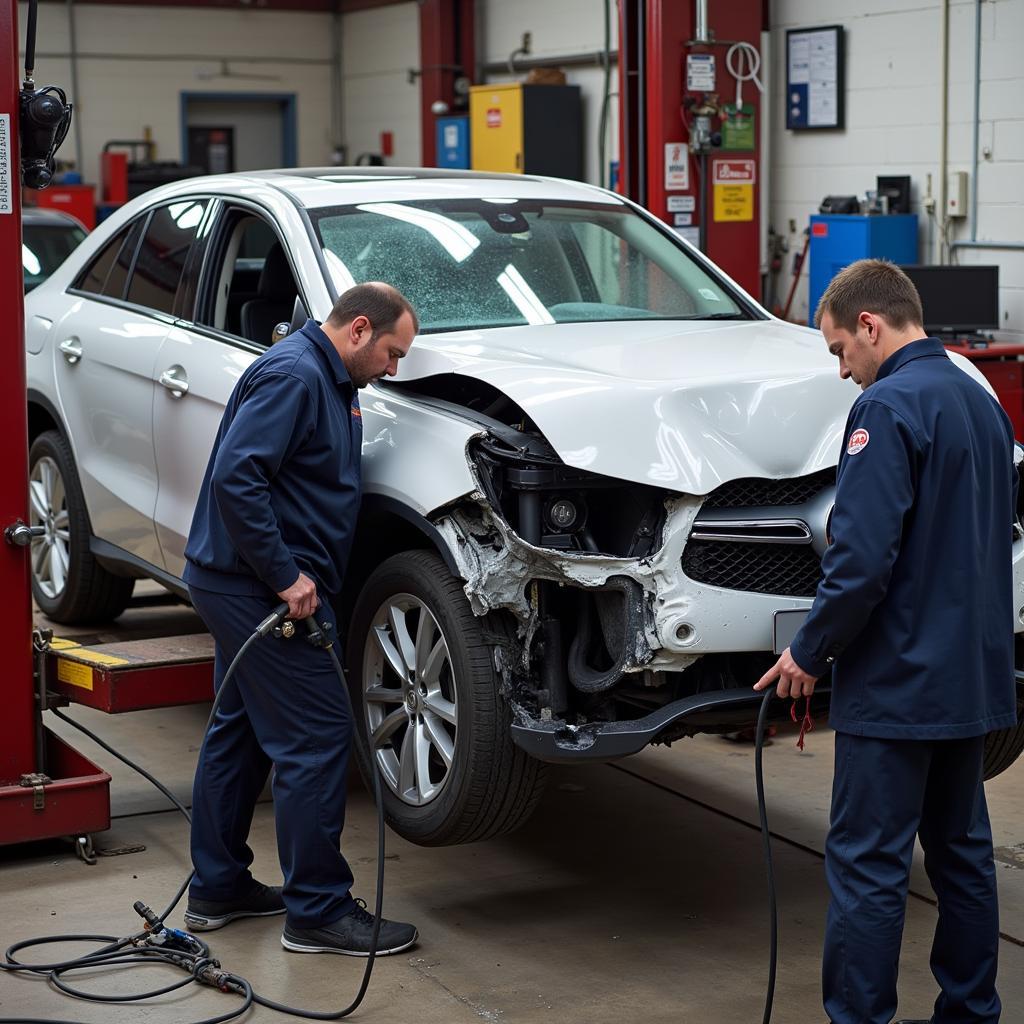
[{"x": 184, "y": 950}]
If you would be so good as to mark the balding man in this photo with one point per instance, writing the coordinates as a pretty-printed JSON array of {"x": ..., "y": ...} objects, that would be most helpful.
[{"x": 274, "y": 522}]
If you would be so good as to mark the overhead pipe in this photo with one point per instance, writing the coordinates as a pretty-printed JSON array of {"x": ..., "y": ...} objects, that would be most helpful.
[
  {"x": 701, "y": 23},
  {"x": 337, "y": 84},
  {"x": 977, "y": 119},
  {"x": 74, "y": 88},
  {"x": 944, "y": 136},
  {"x": 590, "y": 59},
  {"x": 975, "y": 162}
]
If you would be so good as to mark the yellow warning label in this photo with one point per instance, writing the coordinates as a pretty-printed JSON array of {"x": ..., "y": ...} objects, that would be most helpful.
[
  {"x": 734, "y": 202},
  {"x": 58, "y": 643},
  {"x": 85, "y": 654},
  {"x": 75, "y": 674}
]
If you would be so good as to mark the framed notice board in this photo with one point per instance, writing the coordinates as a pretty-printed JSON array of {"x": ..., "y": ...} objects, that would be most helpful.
[{"x": 815, "y": 79}]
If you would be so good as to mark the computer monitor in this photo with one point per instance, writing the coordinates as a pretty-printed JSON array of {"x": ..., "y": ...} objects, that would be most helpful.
[
  {"x": 896, "y": 188},
  {"x": 957, "y": 299}
]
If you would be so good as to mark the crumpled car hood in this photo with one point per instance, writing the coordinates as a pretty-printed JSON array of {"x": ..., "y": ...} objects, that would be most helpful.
[{"x": 684, "y": 406}]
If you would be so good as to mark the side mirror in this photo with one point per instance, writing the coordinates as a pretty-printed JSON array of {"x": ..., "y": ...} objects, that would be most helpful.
[{"x": 299, "y": 316}]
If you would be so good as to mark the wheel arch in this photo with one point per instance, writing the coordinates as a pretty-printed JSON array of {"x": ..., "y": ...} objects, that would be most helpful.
[
  {"x": 42, "y": 416},
  {"x": 387, "y": 526}
]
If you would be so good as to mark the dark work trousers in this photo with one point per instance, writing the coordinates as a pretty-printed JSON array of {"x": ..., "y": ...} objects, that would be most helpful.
[
  {"x": 284, "y": 708},
  {"x": 886, "y": 792}
]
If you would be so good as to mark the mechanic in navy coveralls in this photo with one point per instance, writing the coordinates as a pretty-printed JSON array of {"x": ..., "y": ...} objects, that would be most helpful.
[
  {"x": 915, "y": 609},
  {"x": 274, "y": 522}
]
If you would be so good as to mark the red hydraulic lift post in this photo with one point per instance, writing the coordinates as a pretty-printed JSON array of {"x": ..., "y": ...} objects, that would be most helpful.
[
  {"x": 657, "y": 111},
  {"x": 47, "y": 788},
  {"x": 447, "y": 52},
  {"x": 17, "y": 723}
]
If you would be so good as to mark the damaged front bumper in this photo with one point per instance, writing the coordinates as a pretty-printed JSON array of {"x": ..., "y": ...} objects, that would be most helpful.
[{"x": 558, "y": 742}]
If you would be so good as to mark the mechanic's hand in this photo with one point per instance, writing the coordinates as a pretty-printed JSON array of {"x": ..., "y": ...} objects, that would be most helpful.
[
  {"x": 793, "y": 680},
  {"x": 301, "y": 597}
]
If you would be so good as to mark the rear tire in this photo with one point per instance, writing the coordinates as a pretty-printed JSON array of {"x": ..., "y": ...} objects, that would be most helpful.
[
  {"x": 68, "y": 584},
  {"x": 1004, "y": 746},
  {"x": 439, "y": 704}
]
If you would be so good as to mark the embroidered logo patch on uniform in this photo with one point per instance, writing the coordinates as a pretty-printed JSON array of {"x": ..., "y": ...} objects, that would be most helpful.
[{"x": 858, "y": 442}]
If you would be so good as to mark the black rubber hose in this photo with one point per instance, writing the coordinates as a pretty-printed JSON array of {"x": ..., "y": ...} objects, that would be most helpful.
[
  {"x": 766, "y": 841},
  {"x": 30, "y": 38},
  {"x": 122, "y": 951},
  {"x": 379, "y": 798}
]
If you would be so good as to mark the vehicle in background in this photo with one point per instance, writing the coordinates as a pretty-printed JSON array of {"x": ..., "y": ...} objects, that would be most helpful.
[{"x": 48, "y": 238}]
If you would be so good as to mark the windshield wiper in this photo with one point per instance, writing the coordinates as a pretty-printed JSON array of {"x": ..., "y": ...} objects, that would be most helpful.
[{"x": 714, "y": 316}]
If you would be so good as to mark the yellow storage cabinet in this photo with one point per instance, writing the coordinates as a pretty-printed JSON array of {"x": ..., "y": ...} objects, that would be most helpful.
[{"x": 526, "y": 129}]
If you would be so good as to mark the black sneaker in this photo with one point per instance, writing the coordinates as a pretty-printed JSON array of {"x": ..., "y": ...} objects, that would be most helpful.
[
  {"x": 206, "y": 915},
  {"x": 350, "y": 935}
]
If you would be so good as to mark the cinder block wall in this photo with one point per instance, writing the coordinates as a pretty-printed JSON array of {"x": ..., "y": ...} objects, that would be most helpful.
[
  {"x": 134, "y": 62},
  {"x": 893, "y": 107},
  {"x": 557, "y": 30}
]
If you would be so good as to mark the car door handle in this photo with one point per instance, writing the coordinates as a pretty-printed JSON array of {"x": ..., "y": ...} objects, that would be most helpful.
[
  {"x": 175, "y": 379},
  {"x": 71, "y": 348}
]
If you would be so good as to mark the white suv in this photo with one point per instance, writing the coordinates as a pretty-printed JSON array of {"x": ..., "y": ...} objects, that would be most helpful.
[{"x": 595, "y": 495}]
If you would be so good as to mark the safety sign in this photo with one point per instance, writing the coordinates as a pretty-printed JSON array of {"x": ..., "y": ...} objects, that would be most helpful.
[
  {"x": 677, "y": 166},
  {"x": 700, "y": 72},
  {"x": 733, "y": 183}
]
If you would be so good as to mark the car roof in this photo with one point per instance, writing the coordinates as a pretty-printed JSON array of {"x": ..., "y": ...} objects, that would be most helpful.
[
  {"x": 40, "y": 216},
  {"x": 315, "y": 187}
]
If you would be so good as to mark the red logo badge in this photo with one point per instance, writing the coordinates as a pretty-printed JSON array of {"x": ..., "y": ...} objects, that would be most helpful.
[{"x": 858, "y": 442}]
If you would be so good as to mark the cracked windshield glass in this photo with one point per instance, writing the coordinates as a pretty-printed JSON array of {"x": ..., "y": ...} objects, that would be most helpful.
[{"x": 498, "y": 263}]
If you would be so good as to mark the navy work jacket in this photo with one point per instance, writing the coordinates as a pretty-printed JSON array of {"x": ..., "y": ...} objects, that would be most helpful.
[
  {"x": 916, "y": 605},
  {"x": 282, "y": 488}
]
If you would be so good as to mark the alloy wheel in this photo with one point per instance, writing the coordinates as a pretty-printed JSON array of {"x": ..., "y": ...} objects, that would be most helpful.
[
  {"x": 409, "y": 699},
  {"x": 48, "y": 507}
]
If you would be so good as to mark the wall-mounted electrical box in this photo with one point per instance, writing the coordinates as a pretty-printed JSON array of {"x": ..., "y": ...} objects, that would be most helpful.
[{"x": 956, "y": 194}]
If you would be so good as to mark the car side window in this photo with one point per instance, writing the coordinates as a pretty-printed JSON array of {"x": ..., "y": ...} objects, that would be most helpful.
[
  {"x": 251, "y": 285},
  {"x": 96, "y": 277},
  {"x": 161, "y": 258}
]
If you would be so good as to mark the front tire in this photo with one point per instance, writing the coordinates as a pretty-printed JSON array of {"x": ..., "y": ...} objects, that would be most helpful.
[
  {"x": 68, "y": 584},
  {"x": 1004, "y": 746},
  {"x": 429, "y": 714}
]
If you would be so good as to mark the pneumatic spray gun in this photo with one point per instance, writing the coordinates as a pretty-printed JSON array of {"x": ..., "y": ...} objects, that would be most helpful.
[{"x": 321, "y": 634}]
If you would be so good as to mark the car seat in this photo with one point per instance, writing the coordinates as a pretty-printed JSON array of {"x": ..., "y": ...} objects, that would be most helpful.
[{"x": 275, "y": 299}]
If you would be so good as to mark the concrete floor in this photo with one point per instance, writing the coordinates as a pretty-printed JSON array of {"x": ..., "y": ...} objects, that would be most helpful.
[{"x": 636, "y": 893}]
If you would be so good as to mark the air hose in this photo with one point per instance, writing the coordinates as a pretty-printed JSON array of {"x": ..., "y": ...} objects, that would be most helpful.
[
  {"x": 766, "y": 840},
  {"x": 159, "y": 944}
]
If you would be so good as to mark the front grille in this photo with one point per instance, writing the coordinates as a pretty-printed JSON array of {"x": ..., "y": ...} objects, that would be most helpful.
[
  {"x": 791, "y": 570},
  {"x": 753, "y": 491}
]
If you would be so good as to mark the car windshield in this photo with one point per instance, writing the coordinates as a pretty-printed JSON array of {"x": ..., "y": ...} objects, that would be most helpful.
[
  {"x": 44, "y": 248},
  {"x": 475, "y": 263}
]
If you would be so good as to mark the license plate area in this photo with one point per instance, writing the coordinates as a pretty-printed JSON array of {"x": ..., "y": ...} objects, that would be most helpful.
[{"x": 785, "y": 627}]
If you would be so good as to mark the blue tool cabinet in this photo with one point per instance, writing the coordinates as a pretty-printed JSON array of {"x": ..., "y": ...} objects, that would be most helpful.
[{"x": 837, "y": 240}]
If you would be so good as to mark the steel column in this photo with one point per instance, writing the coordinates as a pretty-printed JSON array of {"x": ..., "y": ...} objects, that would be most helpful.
[
  {"x": 447, "y": 50},
  {"x": 17, "y": 725}
]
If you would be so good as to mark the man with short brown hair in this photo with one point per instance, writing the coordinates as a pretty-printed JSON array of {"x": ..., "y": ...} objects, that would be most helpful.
[
  {"x": 914, "y": 614},
  {"x": 274, "y": 522}
]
